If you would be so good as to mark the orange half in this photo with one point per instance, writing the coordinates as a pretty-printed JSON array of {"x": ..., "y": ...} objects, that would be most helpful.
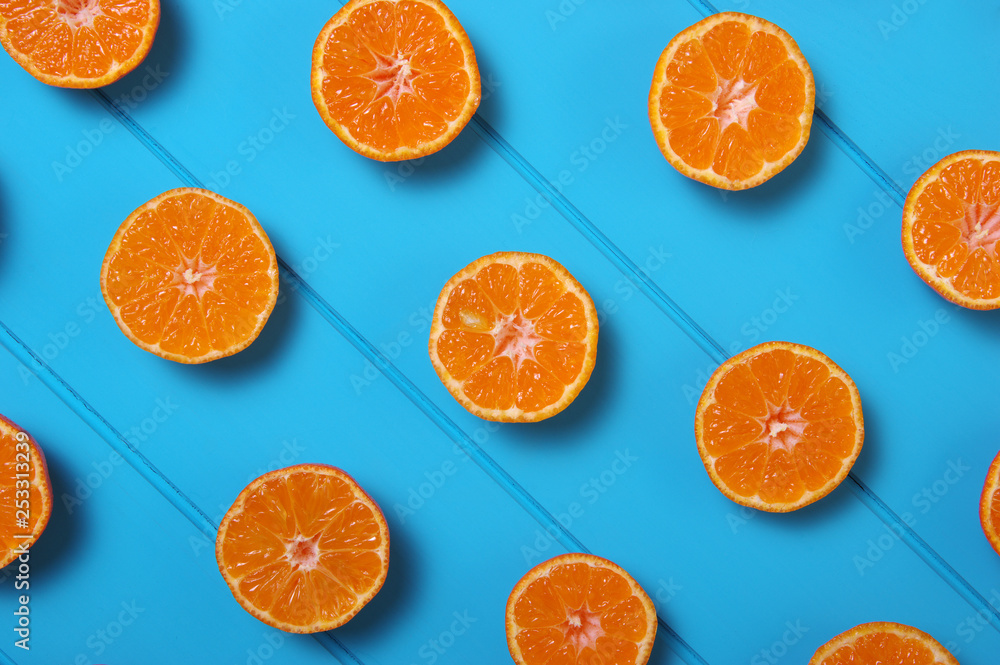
[
  {"x": 989, "y": 505},
  {"x": 514, "y": 337},
  {"x": 303, "y": 549},
  {"x": 395, "y": 79},
  {"x": 883, "y": 643},
  {"x": 732, "y": 99},
  {"x": 779, "y": 426},
  {"x": 951, "y": 225},
  {"x": 190, "y": 276},
  {"x": 78, "y": 43},
  {"x": 25, "y": 491},
  {"x": 577, "y": 609}
]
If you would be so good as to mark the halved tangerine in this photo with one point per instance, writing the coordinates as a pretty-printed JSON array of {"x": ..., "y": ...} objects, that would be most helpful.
[
  {"x": 779, "y": 426},
  {"x": 304, "y": 548},
  {"x": 951, "y": 225},
  {"x": 395, "y": 79},
  {"x": 989, "y": 505},
  {"x": 883, "y": 643},
  {"x": 577, "y": 609},
  {"x": 732, "y": 99},
  {"x": 78, "y": 43},
  {"x": 514, "y": 337},
  {"x": 25, "y": 491}
]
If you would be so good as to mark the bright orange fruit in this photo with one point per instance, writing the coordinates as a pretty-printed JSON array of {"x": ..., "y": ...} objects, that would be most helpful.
[
  {"x": 25, "y": 491},
  {"x": 579, "y": 609},
  {"x": 951, "y": 224},
  {"x": 883, "y": 643},
  {"x": 395, "y": 79},
  {"x": 989, "y": 505},
  {"x": 303, "y": 549},
  {"x": 78, "y": 43},
  {"x": 190, "y": 276},
  {"x": 514, "y": 337},
  {"x": 732, "y": 101},
  {"x": 779, "y": 426}
]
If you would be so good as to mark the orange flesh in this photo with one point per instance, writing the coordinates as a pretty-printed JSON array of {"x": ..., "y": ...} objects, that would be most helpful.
[
  {"x": 956, "y": 226},
  {"x": 87, "y": 39},
  {"x": 39, "y": 492},
  {"x": 578, "y": 613},
  {"x": 305, "y": 549},
  {"x": 780, "y": 425},
  {"x": 733, "y": 101},
  {"x": 395, "y": 76},
  {"x": 513, "y": 337},
  {"x": 191, "y": 277},
  {"x": 989, "y": 510},
  {"x": 875, "y": 644}
]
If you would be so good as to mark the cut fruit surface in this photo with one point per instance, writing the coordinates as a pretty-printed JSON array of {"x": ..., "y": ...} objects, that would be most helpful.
[
  {"x": 25, "y": 491},
  {"x": 779, "y": 426},
  {"x": 577, "y": 609},
  {"x": 951, "y": 225},
  {"x": 732, "y": 99},
  {"x": 395, "y": 79},
  {"x": 303, "y": 549},
  {"x": 190, "y": 276},
  {"x": 514, "y": 337},
  {"x": 883, "y": 643},
  {"x": 989, "y": 505},
  {"x": 78, "y": 43}
]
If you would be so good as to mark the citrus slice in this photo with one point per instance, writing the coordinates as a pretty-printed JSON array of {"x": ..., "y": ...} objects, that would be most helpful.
[
  {"x": 951, "y": 225},
  {"x": 577, "y": 609},
  {"x": 732, "y": 101},
  {"x": 883, "y": 643},
  {"x": 190, "y": 276},
  {"x": 78, "y": 43},
  {"x": 989, "y": 505},
  {"x": 514, "y": 337},
  {"x": 395, "y": 79},
  {"x": 303, "y": 549},
  {"x": 778, "y": 426},
  {"x": 25, "y": 492}
]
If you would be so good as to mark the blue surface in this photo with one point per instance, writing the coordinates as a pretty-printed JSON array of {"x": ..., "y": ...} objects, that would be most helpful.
[{"x": 560, "y": 159}]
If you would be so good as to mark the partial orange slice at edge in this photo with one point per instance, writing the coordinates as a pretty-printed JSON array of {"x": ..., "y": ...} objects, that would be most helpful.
[
  {"x": 989, "y": 505},
  {"x": 25, "y": 491},
  {"x": 883, "y": 642}
]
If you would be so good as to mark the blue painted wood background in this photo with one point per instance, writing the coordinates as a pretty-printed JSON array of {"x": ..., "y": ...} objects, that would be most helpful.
[{"x": 146, "y": 455}]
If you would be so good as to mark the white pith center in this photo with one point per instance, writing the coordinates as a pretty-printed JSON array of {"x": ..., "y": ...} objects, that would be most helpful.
[
  {"x": 783, "y": 427},
  {"x": 733, "y": 102},
  {"x": 980, "y": 226},
  {"x": 393, "y": 76},
  {"x": 303, "y": 553},
  {"x": 194, "y": 277},
  {"x": 78, "y": 13},
  {"x": 515, "y": 338},
  {"x": 582, "y": 629}
]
